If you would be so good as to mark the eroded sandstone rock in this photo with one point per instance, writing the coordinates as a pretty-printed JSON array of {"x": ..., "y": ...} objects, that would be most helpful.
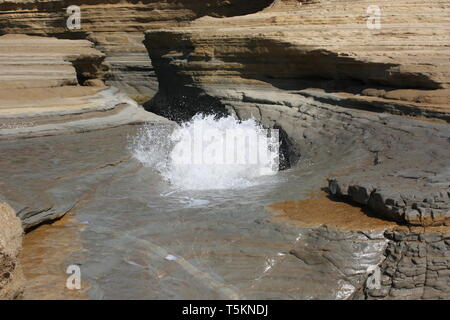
[
  {"x": 11, "y": 277},
  {"x": 412, "y": 263},
  {"x": 52, "y": 86},
  {"x": 298, "y": 47},
  {"x": 116, "y": 27},
  {"x": 336, "y": 88}
]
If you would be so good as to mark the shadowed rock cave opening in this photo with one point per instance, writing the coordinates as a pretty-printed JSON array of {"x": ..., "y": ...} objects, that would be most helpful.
[{"x": 86, "y": 68}]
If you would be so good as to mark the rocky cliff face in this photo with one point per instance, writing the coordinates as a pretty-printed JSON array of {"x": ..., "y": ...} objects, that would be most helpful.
[
  {"x": 116, "y": 27},
  {"x": 11, "y": 277},
  {"x": 379, "y": 98},
  {"x": 325, "y": 45},
  {"x": 53, "y": 86}
]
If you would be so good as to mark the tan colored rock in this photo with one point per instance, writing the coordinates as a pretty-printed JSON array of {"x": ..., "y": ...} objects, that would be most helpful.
[
  {"x": 94, "y": 83},
  {"x": 51, "y": 86},
  {"x": 40, "y": 62},
  {"x": 117, "y": 28},
  {"x": 317, "y": 44},
  {"x": 11, "y": 277}
]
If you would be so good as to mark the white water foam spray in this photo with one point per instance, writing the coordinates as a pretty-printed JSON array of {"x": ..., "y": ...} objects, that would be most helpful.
[{"x": 207, "y": 153}]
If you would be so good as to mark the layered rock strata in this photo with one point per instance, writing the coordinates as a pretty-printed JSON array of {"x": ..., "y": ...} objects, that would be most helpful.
[
  {"x": 116, "y": 27},
  {"x": 376, "y": 259},
  {"x": 11, "y": 277},
  {"x": 52, "y": 86},
  {"x": 416, "y": 265},
  {"x": 401, "y": 68}
]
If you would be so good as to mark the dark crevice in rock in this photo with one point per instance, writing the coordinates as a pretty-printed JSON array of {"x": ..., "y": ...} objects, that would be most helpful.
[
  {"x": 391, "y": 106},
  {"x": 289, "y": 155},
  {"x": 217, "y": 8},
  {"x": 70, "y": 35},
  {"x": 181, "y": 105},
  {"x": 296, "y": 66},
  {"x": 90, "y": 68}
]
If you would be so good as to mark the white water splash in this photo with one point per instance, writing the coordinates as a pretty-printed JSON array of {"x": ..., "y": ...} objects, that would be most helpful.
[{"x": 208, "y": 153}]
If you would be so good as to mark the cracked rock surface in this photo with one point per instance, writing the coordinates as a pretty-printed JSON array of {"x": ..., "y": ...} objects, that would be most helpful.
[
  {"x": 416, "y": 266},
  {"x": 201, "y": 245},
  {"x": 220, "y": 245}
]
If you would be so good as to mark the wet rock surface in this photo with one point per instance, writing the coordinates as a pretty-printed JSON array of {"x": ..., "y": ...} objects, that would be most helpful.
[
  {"x": 399, "y": 166},
  {"x": 180, "y": 244},
  {"x": 411, "y": 262},
  {"x": 337, "y": 94},
  {"x": 44, "y": 181},
  {"x": 46, "y": 255},
  {"x": 177, "y": 244}
]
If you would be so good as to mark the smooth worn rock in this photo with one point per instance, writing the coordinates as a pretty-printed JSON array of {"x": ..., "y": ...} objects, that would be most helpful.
[{"x": 296, "y": 46}]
